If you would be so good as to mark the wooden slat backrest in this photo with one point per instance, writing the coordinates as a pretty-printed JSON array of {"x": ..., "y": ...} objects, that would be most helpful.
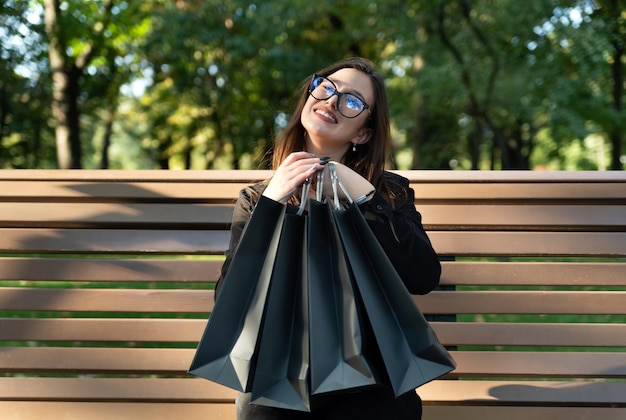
[{"x": 110, "y": 272}]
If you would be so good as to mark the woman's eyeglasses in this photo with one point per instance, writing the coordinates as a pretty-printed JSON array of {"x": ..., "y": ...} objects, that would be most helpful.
[{"x": 348, "y": 104}]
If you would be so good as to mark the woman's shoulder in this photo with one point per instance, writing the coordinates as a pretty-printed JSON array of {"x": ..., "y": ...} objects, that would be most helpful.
[
  {"x": 396, "y": 181},
  {"x": 249, "y": 196}
]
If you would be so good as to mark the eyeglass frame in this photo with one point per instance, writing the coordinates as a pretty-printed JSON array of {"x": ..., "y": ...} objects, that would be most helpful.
[{"x": 339, "y": 95}]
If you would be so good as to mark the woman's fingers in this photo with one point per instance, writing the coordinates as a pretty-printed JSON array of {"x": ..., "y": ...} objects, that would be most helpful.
[{"x": 293, "y": 172}]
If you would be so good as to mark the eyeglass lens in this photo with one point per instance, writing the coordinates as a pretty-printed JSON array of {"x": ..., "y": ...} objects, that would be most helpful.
[{"x": 349, "y": 105}]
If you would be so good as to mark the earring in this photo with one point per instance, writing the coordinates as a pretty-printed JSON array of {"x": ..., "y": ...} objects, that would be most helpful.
[{"x": 354, "y": 147}]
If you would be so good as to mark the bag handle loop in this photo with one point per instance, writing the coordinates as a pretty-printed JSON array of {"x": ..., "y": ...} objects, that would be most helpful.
[
  {"x": 306, "y": 187},
  {"x": 334, "y": 178}
]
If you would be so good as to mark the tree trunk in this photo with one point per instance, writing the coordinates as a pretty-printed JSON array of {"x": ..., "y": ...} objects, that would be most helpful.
[
  {"x": 60, "y": 82},
  {"x": 73, "y": 116},
  {"x": 106, "y": 139},
  {"x": 66, "y": 73},
  {"x": 617, "y": 131}
]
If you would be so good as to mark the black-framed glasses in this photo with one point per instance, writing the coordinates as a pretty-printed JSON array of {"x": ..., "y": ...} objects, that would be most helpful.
[{"x": 348, "y": 104}]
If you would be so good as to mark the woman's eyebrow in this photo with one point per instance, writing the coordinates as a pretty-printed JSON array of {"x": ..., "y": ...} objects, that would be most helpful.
[{"x": 349, "y": 90}]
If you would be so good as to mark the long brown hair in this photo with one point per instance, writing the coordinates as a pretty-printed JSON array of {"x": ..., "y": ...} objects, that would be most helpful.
[{"x": 369, "y": 158}]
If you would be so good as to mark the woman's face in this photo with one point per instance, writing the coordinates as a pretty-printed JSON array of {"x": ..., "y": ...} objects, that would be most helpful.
[{"x": 329, "y": 131}]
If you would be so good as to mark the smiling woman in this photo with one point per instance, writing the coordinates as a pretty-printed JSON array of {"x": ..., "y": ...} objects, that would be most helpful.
[{"x": 342, "y": 117}]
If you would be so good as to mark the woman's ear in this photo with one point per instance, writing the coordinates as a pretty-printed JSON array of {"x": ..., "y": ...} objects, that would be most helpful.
[{"x": 364, "y": 135}]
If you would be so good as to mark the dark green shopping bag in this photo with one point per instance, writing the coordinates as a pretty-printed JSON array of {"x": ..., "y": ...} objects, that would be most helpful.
[
  {"x": 227, "y": 350},
  {"x": 411, "y": 353},
  {"x": 338, "y": 359},
  {"x": 282, "y": 366}
]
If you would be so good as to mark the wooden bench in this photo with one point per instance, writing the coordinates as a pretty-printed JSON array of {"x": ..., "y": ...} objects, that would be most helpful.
[{"x": 107, "y": 284}]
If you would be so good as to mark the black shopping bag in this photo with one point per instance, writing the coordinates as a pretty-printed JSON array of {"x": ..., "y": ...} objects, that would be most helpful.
[
  {"x": 282, "y": 366},
  {"x": 337, "y": 355},
  {"x": 227, "y": 349},
  {"x": 410, "y": 350}
]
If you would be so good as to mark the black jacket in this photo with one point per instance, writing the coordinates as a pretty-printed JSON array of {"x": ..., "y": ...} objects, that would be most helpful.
[{"x": 398, "y": 229}]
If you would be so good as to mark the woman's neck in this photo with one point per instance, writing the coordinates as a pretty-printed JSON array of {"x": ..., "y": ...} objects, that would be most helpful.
[{"x": 334, "y": 153}]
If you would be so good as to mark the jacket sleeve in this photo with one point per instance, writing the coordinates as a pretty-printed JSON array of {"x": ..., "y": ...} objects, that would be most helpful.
[
  {"x": 241, "y": 216},
  {"x": 400, "y": 232}
]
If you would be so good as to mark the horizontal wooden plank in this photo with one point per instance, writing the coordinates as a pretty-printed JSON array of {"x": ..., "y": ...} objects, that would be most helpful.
[
  {"x": 190, "y": 330},
  {"x": 113, "y": 241},
  {"x": 19, "y": 410},
  {"x": 533, "y": 273},
  {"x": 530, "y": 334},
  {"x": 597, "y": 244},
  {"x": 518, "y": 192},
  {"x": 214, "y": 189},
  {"x": 210, "y": 191},
  {"x": 197, "y": 411},
  {"x": 177, "y": 390},
  {"x": 429, "y": 176},
  {"x": 523, "y": 302},
  {"x": 106, "y": 300},
  {"x": 171, "y": 361},
  {"x": 111, "y": 215},
  {"x": 173, "y": 390},
  {"x": 225, "y": 192},
  {"x": 192, "y": 270},
  {"x": 527, "y": 217},
  {"x": 110, "y": 269},
  {"x": 579, "y": 393},
  {"x": 102, "y": 329},
  {"x": 201, "y": 301},
  {"x": 128, "y": 361},
  {"x": 439, "y": 217},
  {"x": 149, "y": 175},
  {"x": 522, "y": 412},
  {"x": 539, "y": 364}
]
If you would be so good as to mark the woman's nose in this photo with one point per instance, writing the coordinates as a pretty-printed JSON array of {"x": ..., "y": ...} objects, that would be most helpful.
[{"x": 333, "y": 101}]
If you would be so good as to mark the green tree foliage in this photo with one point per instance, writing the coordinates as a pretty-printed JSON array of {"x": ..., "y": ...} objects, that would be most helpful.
[{"x": 486, "y": 84}]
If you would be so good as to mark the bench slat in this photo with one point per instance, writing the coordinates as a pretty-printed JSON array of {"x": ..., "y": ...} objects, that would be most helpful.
[
  {"x": 599, "y": 244},
  {"x": 107, "y": 215},
  {"x": 113, "y": 269},
  {"x": 467, "y": 216},
  {"x": 199, "y": 411},
  {"x": 472, "y": 411},
  {"x": 523, "y": 217},
  {"x": 184, "y": 270},
  {"x": 106, "y": 300},
  {"x": 201, "y": 301},
  {"x": 200, "y": 390},
  {"x": 190, "y": 331},
  {"x": 526, "y": 192},
  {"x": 533, "y": 273},
  {"x": 115, "y": 241},
  {"x": 59, "y": 191},
  {"x": 118, "y": 411},
  {"x": 190, "y": 389},
  {"x": 523, "y": 302},
  {"x": 173, "y": 361},
  {"x": 530, "y": 334},
  {"x": 215, "y": 189}
]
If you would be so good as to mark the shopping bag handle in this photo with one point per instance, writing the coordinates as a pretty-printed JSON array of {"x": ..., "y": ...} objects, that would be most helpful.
[
  {"x": 306, "y": 187},
  {"x": 334, "y": 178}
]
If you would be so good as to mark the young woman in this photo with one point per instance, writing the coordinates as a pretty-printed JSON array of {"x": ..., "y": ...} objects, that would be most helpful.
[{"x": 342, "y": 116}]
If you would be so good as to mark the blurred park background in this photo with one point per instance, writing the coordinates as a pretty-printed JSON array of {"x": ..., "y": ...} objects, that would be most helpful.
[{"x": 205, "y": 84}]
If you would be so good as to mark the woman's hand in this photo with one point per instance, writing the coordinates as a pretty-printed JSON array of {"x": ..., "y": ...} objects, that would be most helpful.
[{"x": 291, "y": 174}]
